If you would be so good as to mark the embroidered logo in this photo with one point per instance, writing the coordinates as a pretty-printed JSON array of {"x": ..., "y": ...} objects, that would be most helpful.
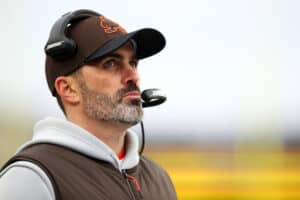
[{"x": 110, "y": 26}]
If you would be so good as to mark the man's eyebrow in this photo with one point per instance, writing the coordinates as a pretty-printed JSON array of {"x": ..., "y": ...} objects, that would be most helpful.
[{"x": 114, "y": 55}]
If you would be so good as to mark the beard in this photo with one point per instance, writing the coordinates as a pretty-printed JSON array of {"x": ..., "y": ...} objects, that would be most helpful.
[{"x": 102, "y": 107}]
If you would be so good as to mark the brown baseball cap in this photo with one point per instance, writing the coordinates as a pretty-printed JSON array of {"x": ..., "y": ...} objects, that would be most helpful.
[{"x": 96, "y": 36}]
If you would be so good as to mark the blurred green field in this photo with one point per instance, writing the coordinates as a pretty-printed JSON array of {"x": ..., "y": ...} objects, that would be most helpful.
[{"x": 230, "y": 175}]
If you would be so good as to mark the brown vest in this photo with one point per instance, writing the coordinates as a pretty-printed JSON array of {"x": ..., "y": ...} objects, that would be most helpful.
[{"x": 75, "y": 176}]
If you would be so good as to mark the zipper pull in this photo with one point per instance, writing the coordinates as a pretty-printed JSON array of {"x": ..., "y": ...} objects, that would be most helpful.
[{"x": 132, "y": 178}]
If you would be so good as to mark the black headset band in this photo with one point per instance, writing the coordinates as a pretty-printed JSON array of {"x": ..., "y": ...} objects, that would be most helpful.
[{"x": 58, "y": 40}]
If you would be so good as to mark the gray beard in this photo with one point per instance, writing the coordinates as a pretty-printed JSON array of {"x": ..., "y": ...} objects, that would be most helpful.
[{"x": 102, "y": 107}]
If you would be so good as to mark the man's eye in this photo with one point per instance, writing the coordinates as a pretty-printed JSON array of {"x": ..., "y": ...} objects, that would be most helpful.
[
  {"x": 109, "y": 63},
  {"x": 134, "y": 63}
]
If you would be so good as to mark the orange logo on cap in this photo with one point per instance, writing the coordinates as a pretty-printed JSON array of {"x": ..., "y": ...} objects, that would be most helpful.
[{"x": 110, "y": 26}]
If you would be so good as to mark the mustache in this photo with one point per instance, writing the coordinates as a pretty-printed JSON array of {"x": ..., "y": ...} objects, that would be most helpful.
[{"x": 129, "y": 88}]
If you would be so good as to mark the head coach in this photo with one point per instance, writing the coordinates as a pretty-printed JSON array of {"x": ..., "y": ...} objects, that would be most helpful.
[{"x": 92, "y": 70}]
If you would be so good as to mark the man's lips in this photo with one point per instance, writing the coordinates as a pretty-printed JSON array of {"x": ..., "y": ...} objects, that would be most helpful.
[{"x": 132, "y": 94}]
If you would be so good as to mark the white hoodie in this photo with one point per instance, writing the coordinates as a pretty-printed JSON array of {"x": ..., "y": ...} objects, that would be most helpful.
[{"x": 25, "y": 180}]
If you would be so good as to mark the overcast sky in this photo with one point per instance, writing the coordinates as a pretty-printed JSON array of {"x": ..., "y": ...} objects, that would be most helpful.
[{"x": 230, "y": 66}]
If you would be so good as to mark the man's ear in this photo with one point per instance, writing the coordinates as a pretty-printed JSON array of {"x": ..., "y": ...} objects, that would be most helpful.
[{"x": 67, "y": 89}]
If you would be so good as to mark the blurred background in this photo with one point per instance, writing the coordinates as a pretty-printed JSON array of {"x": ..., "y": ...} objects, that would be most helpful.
[{"x": 229, "y": 129}]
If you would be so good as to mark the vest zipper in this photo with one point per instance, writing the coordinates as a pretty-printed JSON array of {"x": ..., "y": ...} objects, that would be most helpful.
[{"x": 131, "y": 178}]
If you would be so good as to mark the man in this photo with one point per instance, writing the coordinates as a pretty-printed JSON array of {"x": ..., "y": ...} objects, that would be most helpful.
[{"x": 91, "y": 68}]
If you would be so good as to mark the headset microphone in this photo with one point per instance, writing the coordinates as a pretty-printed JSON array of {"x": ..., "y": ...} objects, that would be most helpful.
[
  {"x": 150, "y": 97},
  {"x": 153, "y": 97}
]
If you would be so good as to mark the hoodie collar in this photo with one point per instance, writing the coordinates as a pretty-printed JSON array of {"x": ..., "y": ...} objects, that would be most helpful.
[{"x": 67, "y": 134}]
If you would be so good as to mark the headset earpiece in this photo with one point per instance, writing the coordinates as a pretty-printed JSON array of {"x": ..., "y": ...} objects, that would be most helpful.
[{"x": 59, "y": 46}]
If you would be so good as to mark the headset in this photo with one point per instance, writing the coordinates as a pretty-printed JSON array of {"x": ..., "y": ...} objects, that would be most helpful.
[{"x": 60, "y": 47}]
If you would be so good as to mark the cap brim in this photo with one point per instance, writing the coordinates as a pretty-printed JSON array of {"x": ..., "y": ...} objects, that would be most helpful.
[{"x": 148, "y": 42}]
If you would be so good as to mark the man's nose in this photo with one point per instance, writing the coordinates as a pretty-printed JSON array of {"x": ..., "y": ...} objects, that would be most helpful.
[{"x": 130, "y": 75}]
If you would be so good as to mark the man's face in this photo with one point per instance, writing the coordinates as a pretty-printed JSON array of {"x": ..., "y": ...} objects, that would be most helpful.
[{"x": 109, "y": 87}]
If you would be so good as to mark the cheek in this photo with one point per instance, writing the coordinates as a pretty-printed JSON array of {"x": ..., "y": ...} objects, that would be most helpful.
[
  {"x": 102, "y": 81},
  {"x": 103, "y": 84}
]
